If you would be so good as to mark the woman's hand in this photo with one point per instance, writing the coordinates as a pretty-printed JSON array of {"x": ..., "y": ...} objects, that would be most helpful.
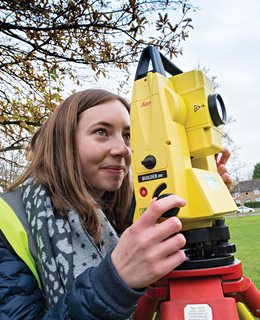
[
  {"x": 221, "y": 160},
  {"x": 147, "y": 251}
]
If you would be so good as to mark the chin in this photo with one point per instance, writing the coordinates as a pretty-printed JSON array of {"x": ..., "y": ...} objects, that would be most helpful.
[{"x": 114, "y": 187}]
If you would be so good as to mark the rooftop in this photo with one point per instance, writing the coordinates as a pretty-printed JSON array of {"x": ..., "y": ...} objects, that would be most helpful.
[{"x": 245, "y": 186}]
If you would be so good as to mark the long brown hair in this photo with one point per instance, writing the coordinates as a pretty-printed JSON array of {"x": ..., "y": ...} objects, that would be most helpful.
[{"x": 54, "y": 163}]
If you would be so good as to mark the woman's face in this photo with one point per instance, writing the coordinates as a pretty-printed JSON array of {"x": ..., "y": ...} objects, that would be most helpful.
[{"x": 103, "y": 144}]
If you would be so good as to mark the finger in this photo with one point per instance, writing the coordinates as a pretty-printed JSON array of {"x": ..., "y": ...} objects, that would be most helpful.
[
  {"x": 222, "y": 169},
  {"x": 157, "y": 208},
  {"x": 168, "y": 228},
  {"x": 224, "y": 156},
  {"x": 171, "y": 245},
  {"x": 172, "y": 261},
  {"x": 227, "y": 180}
]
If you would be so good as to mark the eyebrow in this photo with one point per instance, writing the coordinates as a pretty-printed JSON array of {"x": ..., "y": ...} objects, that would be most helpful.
[{"x": 107, "y": 124}]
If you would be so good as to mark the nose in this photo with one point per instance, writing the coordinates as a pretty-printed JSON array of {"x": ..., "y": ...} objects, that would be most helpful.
[{"x": 120, "y": 148}]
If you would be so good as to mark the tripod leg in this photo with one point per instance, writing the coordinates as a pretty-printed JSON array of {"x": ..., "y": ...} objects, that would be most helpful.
[
  {"x": 146, "y": 308},
  {"x": 243, "y": 312}
]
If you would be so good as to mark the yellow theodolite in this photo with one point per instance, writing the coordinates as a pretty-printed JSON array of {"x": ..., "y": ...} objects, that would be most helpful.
[{"x": 175, "y": 135}]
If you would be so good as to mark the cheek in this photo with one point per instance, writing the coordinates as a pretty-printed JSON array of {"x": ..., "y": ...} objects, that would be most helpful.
[
  {"x": 83, "y": 154},
  {"x": 90, "y": 156},
  {"x": 129, "y": 157},
  {"x": 128, "y": 162},
  {"x": 84, "y": 146},
  {"x": 87, "y": 164}
]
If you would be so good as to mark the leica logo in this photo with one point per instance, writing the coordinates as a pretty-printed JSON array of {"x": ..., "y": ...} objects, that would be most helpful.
[{"x": 145, "y": 103}]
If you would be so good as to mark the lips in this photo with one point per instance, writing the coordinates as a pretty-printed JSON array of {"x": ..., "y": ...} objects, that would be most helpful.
[{"x": 114, "y": 168}]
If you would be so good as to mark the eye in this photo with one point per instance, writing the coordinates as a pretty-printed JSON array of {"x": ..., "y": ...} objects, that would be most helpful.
[
  {"x": 126, "y": 137},
  {"x": 101, "y": 132}
]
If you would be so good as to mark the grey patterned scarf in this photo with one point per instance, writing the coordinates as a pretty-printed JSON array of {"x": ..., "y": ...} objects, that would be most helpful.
[{"x": 64, "y": 248}]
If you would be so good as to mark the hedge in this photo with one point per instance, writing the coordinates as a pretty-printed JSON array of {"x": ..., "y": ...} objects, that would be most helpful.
[{"x": 253, "y": 204}]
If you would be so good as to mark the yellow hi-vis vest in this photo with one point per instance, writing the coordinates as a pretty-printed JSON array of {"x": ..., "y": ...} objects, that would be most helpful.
[{"x": 15, "y": 228}]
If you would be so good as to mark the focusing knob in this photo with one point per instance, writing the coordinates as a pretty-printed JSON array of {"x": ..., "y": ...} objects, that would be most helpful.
[
  {"x": 171, "y": 212},
  {"x": 149, "y": 162}
]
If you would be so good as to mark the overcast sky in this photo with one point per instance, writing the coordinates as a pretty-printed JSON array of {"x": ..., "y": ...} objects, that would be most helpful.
[{"x": 226, "y": 39}]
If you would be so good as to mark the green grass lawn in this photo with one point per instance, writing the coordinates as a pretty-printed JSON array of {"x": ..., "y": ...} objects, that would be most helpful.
[{"x": 245, "y": 233}]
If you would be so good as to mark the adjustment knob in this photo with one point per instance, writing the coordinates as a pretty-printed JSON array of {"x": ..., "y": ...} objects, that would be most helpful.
[
  {"x": 171, "y": 212},
  {"x": 149, "y": 162}
]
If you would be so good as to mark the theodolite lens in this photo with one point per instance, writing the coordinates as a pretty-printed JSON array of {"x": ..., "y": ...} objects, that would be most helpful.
[{"x": 217, "y": 109}]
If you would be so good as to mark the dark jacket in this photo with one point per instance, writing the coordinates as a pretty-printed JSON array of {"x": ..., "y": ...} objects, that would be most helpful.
[
  {"x": 98, "y": 293},
  {"x": 94, "y": 294}
]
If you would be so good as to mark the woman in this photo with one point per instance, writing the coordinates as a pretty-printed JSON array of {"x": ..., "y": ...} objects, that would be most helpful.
[{"x": 76, "y": 194}]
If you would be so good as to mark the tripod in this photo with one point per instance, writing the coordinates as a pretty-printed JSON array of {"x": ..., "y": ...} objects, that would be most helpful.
[{"x": 203, "y": 288}]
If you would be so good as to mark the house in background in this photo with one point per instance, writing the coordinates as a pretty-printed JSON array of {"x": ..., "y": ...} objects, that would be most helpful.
[{"x": 246, "y": 191}]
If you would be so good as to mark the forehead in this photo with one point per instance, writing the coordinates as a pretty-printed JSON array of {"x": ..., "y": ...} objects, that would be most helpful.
[{"x": 112, "y": 111}]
